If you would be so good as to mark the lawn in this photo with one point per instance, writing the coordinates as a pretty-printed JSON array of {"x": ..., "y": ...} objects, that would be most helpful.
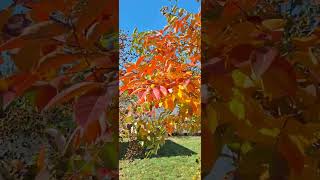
[{"x": 179, "y": 158}]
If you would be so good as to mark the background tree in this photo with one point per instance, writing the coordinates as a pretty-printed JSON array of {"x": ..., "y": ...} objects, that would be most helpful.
[{"x": 164, "y": 81}]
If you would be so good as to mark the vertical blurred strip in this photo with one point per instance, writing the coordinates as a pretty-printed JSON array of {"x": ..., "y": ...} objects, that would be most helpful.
[
  {"x": 260, "y": 89},
  {"x": 59, "y": 89}
]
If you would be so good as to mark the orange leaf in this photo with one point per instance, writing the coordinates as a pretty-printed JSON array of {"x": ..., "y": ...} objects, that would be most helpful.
[
  {"x": 4, "y": 16},
  {"x": 140, "y": 59},
  {"x": 291, "y": 153},
  {"x": 169, "y": 104},
  {"x": 40, "y": 31},
  {"x": 27, "y": 56},
  {"x": 55, "y": 60},
  {"x": 3, "y": 85},
  {"x": 41, "y": 158},
  {"x": 91, "y": 132},
  {"x": 91, "y": 12}
]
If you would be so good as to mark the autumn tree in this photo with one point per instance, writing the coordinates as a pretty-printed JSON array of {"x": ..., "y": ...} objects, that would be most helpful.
[
  {"x": 260, "y": 79},
  {"x": 164, "y": 81}
]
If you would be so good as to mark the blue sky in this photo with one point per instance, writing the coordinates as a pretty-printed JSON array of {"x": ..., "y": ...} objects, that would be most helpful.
[
  {"x": 146, "y": 15},
  {"x": 4, "y": 3},
  {"x": 143, "y": 14}
]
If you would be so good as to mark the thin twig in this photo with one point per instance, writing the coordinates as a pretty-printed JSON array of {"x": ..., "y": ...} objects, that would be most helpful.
[{"x": 85, "y": 54}]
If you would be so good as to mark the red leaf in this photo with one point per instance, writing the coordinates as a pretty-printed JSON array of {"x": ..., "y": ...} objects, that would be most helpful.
[
  {"x": 156, "y": 93},
  {"x": 18, "y": 84},
  {"x": 90, "y": 107},
  {"x": 215, "y": 66},
  {"x": 163, "y": 90},
  {"x": 41, "y": 10},
  {"x": 44, "y": 94},
  {"x": 90, "y": 113},
  {"x": 279, "y": 87},
  {"x": 25, "y": 84},
  {"x": 103, "y": 62},
  {"x": 59, "y": 82},
  {"x": 240, "y": 55},
  {"x": 291, "y": 153},
  {"x": 74, "y": 91},
  {"x": 231, "y": 8},
  {"x": 137, "y": 91},
  {"x": 144, "y": 96},
  {"x": 8, "y": 97}
]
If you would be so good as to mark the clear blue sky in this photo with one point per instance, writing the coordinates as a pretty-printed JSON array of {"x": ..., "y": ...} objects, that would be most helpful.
[{"x": 146, "y": 15}]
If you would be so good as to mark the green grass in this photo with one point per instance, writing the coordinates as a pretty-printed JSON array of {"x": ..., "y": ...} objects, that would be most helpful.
[{"x": 179, "y": 158}]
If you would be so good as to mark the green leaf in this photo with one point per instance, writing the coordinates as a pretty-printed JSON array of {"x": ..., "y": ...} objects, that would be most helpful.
[
  {"x": 241, "y": 80},
  {"x": 128, "y": 119},
  {"x": 246, "y": 147},
  {"x": 109, "y": 155},
  {"x": 181, "y": 11},
  {"x": 88, "y": 168},
  {"x": 234, "y": 146},
  {"x": 135, "y": 31},
  {"x": 237, "y": 108},
  {"x": 270, "y": 132}
]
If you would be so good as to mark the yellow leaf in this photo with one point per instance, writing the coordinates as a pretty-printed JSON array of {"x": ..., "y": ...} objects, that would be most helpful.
[
  {"x": 270, "y": 132},
  {"x": 179, "y": 93},
  {"x": 273, "y": 24},
  {"x": 212, "y": 118},
  {"x": 237, "y": 108}
]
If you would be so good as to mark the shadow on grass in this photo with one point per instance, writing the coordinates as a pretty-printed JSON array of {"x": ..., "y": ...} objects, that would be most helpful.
[{"x": 169, "y": 149}]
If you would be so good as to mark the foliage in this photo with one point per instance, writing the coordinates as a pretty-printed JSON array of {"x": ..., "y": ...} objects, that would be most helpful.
[
  {"x": 260, "y": 87},
  {"x": 164, "y": 82},
  {"x": 66, "y": 53}
]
